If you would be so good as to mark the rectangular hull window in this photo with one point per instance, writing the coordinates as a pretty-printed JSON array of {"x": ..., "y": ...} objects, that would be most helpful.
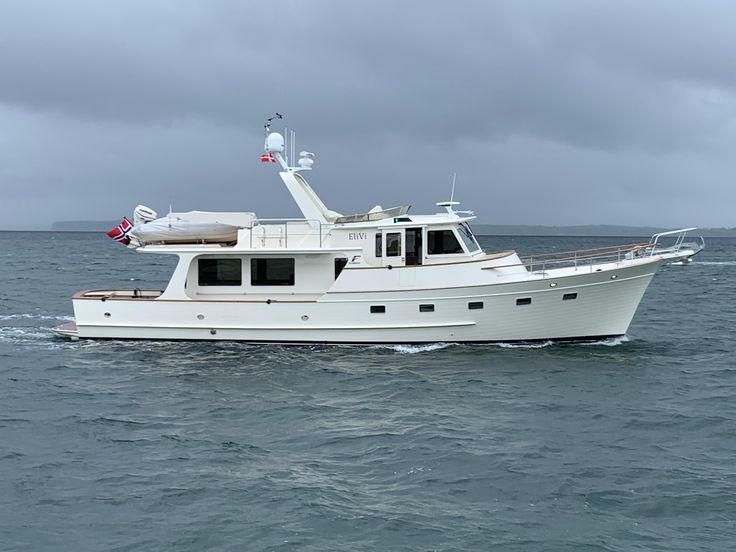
[
  {"x": 475, "y": 305},
  {"x": 426, "y": 308},
  {"x": 569, "y": 296},
  {"x": 378, "y": 309},
  {"x": 524, "y": 301},
  {"x": 220, "y": 272},
  {"x": 272, "y": 272}
]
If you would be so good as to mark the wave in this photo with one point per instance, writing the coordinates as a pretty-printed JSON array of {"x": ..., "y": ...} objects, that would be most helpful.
[
  {"x": 714, "y": 263},
  {"x": 414, "y": 349},
  {"x": 608, "y": 342},
  {"x": 513, "y": 345},
  {"x": 13, "y": 333},
  {"x": 35, "y": 317}
]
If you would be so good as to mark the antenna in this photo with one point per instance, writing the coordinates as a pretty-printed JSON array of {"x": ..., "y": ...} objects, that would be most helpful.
[
  {"x": 267, "y": 126},
  {"x": 292, "y": 140},
  {"x": 452, "y": 193}
]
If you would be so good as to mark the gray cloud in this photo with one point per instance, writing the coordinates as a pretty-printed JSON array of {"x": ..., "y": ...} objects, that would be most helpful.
[{"x": 551, "y": 112}]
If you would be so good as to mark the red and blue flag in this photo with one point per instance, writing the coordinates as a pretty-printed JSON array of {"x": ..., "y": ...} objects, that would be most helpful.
[{"x": 121, "y": 231}]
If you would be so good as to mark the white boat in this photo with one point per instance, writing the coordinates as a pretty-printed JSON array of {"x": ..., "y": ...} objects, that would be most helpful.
[{"x": 384, "y": 276}]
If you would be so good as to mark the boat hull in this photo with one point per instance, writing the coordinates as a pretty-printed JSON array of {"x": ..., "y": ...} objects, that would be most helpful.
[{"x": 603, "y": 305}]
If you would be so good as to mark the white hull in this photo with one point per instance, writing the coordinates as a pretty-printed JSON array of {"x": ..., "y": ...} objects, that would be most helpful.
[
  {"x": 603, "y": 307},
  {"x": 383, "y": 276}
]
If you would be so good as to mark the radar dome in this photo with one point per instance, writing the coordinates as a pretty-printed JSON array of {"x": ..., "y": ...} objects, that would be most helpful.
[{"x": 275, "y": 143}]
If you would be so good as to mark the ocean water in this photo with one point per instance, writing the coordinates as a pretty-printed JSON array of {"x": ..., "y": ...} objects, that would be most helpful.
[{"x": 111, "y": 445}]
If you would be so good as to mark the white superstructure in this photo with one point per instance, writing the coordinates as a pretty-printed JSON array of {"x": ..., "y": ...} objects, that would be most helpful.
[{"x": 384, "y": 276}]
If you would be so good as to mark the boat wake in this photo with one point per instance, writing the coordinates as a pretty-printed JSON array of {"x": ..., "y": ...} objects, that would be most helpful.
[
  {"x": 414, "y": 349},
  {"x": 715, "y": 263},
  {"x": 609, "y": 342},
  {"x": 35, "y": 317}
]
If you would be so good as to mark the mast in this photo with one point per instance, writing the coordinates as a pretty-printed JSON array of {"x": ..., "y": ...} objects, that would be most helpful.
[{"x": 309, "y": 203}]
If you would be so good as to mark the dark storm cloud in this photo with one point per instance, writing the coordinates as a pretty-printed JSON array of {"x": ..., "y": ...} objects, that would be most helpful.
[{"x": 530, "y": 100}]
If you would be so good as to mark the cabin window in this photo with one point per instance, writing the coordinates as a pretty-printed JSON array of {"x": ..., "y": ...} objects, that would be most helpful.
[
  {"x": 220, "y": 272},
  {"x": 524, "y": 301},
  {"x": 569, "y": 296},
  {"x": 468, "y": 238},
  {"x": 378, "y": 309},
  {"x": 426, "y": 308},
  {"x": 379, "y": 245},
  {"x": 393, "y": 244},
  {"x": 475, "y": 305},
  {"x": 442, "y": 242},
  {"x": 340, "y": 263},
  {"x": 272, "y": 272}
]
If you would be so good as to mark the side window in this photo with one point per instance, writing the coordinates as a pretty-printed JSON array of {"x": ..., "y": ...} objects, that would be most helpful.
[
  {"x": 379, "y": 245},
  {"x": 442, "y": 242},
  {"x": 393, "y": 244},
  {"x": 272, "y": 272},
  {"x": 220, "y": 272}
]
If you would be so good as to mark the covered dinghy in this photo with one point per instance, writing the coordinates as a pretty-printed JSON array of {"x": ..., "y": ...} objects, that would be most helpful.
[{"x": 193, "y": 227}]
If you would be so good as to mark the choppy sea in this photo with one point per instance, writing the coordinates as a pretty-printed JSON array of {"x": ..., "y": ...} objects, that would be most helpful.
[{"x": 627, "y": 444}]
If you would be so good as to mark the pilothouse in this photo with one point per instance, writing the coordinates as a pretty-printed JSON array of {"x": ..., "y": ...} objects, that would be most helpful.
[{"x": 382, "y": 276}]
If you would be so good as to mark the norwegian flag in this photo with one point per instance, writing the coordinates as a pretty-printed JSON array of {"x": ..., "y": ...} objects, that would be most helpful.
[
  {"x": 121, "y": 231},
  {"x": 267, "y": 158}
]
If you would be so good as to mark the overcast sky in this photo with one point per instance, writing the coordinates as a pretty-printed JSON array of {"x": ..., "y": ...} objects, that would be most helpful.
[{"x": 551, "y": 112}]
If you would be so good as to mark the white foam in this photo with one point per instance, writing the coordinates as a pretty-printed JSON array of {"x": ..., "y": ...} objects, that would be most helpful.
[
  {"x": 413, "y": 349},
  {"x": 609, "y": 342},
  {"x": 714, "y": 263},
  {"x": 538, "y": 345},
  {"x": 34, "y": 317}
]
